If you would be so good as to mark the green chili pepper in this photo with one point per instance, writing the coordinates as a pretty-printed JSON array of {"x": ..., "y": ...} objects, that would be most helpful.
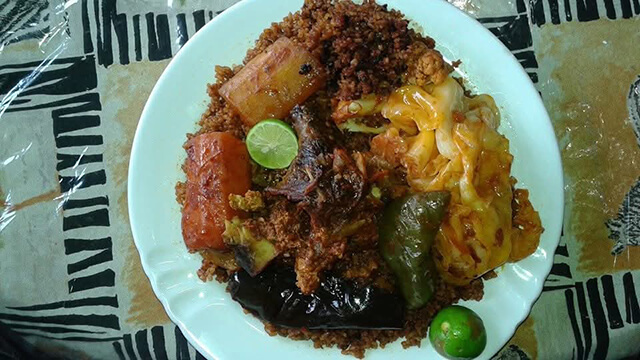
[{"x": 407, "y": 230}]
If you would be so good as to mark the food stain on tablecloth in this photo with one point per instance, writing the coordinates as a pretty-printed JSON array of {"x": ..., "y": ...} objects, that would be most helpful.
[
  {"x": 586, "y": 95},
  {"x": 127, "y": 99}
]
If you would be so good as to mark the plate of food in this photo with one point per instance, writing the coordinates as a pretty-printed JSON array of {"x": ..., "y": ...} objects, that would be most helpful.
[{"x": 317, "y": 178}]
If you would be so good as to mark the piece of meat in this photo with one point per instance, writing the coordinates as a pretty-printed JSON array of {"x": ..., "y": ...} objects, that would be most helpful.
[
  {"x": 273, "y": 82},
  {"x": 343, "y": 187},
  {"x": 217, "y": 165},
  {"x": 322, "y": 175},
  {"x": 316, "y": 140},
  {"x": 325, "y": 182}
]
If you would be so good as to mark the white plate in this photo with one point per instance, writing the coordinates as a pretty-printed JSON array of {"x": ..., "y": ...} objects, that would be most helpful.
[{"x": 210, "y": 320}]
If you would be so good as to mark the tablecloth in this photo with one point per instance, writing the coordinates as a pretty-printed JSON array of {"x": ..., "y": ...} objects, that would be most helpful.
[{"x": 74, "y": 77}]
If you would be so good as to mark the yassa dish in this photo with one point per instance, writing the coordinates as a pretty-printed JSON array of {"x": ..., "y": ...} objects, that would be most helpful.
[{"x": 347, "y": 186}]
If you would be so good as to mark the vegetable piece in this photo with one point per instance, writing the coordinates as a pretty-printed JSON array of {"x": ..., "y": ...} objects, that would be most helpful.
[
  {"x": 407, "y": 230},
  {"x": 351, "y": 228},
  {"x": 430, "y": 68},
  {"x": 421, "y": 151},
  {"x": 337, "y": 303},
  {"x": 376, "y": 192},
  {"x": 411, "y": 108},
  {"x": 458, "y": 333},
  {"x": 367, "y": 105},
  {"x": 273, "y": 82},
  {"x": 476, "y": 235},
  {"x": 272, "y": 144},
  {"x": 527, "y": 226},
  {"x": 483, "y": 107},
  {"x": 250, "y": 201},
  {"x": 252, "y": 254},
  {"x": 217, "y": 165},
  {"x": 353, "y": 125},
  {"x": 223, "y": 259},
  {"x": 390, "y": 146}
]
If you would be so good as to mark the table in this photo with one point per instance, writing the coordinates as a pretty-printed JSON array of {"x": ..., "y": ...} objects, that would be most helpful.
[{"x": 75, "y": 75}]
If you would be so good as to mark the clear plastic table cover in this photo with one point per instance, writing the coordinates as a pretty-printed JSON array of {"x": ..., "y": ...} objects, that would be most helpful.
[{"x": 74, "y": 76}]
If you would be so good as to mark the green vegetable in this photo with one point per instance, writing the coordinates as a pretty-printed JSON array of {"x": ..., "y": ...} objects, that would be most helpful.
[
  {"x": 351, "y": 228},
  {"x": 407, "y": 230},
  {"x": 250, "y": 201},
  {"x": 376, "y": 192},
  {"x": 367, "y": 105},
  {"x": 272, "y": 144},
  {"x": 354, "y": 125},
  {"x": 251, "y": 254},
  {"x": 458, "y": 333}
]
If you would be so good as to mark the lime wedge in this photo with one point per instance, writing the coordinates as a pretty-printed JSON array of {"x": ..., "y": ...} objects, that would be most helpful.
[{"x": 272, "y": 144}]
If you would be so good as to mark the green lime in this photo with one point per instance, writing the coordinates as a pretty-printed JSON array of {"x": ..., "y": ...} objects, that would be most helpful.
[
  {"x": 457, "y": 332},
  {"x": 272, "y": 143}
]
